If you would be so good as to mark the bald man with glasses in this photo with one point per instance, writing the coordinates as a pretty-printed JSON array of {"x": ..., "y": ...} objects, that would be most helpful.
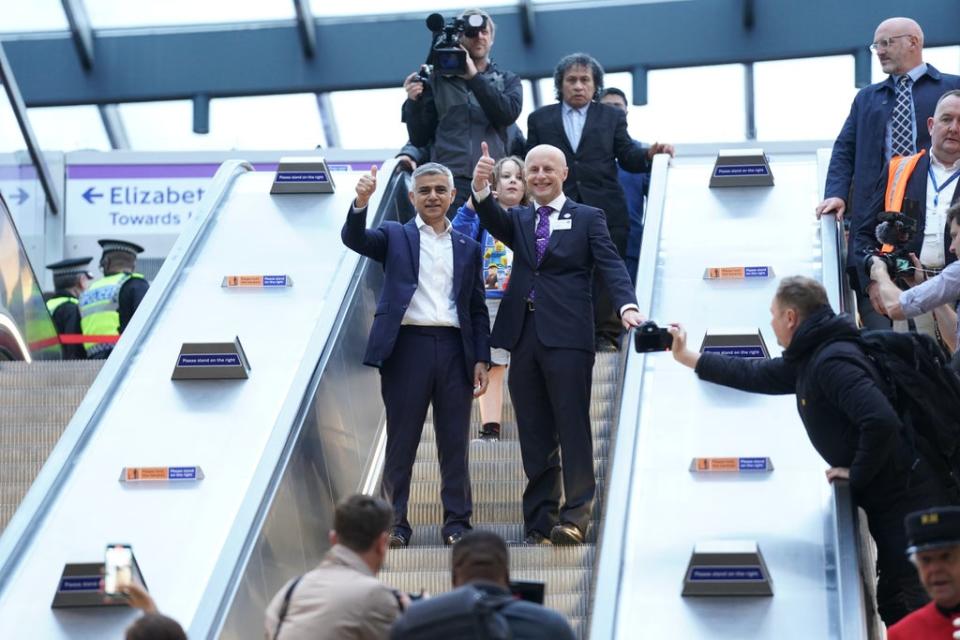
[{"x": 887, "y": 119}]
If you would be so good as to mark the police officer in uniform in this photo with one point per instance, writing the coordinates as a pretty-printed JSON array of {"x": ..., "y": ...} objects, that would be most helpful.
[
  {"x": 108, "y": 304},
  {"x": 70, "y": 280},
  {"x": 933, "y": 537}
]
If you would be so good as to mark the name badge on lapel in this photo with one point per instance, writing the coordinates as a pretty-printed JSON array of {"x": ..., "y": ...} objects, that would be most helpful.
[{"x": 563, "y": 224}]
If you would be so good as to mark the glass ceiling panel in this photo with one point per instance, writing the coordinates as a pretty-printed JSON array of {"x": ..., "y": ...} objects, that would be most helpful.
[
  {"x": 370, "y": 119},
  {"x": 448, "y": 8},
  {"x": 31, "y": 15},
  {"x": 69, "y": 128},
  {"x": 262, "y": 122},
  {"x": 945, "y": 59},
  {"x": 775, "y": 96},
  {"x": 126, "y": 13}
]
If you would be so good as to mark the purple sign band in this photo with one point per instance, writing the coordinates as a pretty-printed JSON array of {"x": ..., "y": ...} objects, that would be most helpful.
[
  {"x": 17, "y": 172},
  {"x": 199, "y": 170}
]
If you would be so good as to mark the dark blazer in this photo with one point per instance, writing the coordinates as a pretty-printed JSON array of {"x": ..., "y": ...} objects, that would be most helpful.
[
  {"x": 858, "y": 151},
  {"x": 914, "y": 204},
  {"x": 397, "y": 247},
  {"x": 563, "y": 280},
  {"x": 592, "y": 177}
]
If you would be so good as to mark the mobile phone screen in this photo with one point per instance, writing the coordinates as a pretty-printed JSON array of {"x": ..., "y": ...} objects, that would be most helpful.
[{"x": 118, "y": 568}]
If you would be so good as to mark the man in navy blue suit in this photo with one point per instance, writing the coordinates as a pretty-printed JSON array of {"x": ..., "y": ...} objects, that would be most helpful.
[
  {"x": 430, "y": 338},
  {"x": 886, "y": 119},
  {"x": 546, "y": 322}
]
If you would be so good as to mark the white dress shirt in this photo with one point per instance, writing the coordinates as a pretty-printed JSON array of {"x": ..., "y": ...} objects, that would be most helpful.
[
  {"x": 432, "y": 304},
  {"x": 573, "y": 121},
  {"x": 932, "y": 250}
]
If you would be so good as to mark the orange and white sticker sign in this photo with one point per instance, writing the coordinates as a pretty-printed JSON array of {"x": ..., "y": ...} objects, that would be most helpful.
[
  {"x": 737, "y": 273},
  {"x": 160, "y": 474},
  {"x": 256, "y": 282}
]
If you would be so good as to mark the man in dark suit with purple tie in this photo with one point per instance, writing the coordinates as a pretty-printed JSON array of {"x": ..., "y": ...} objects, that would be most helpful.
[
  {"x": 546, "y": 322},
  {"x": 430, "y": 339}
]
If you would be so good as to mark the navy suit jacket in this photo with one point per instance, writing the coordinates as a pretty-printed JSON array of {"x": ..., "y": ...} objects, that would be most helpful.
[
  {"x": 397, "y": 247},
  {"x": 563, "y": 279},
  {"x": 592, "y": 177},
  {"x": 858, "y": 154},
  {"x": 914, "y": 204}
]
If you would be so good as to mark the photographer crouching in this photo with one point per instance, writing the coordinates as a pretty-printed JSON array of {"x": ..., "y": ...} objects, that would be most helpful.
[
  {"x": 459, "y": 100},
  {"x": 848, "y": 418}
]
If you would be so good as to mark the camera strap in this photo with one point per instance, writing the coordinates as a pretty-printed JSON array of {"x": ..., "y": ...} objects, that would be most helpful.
[{"x": 938, "y": 189}]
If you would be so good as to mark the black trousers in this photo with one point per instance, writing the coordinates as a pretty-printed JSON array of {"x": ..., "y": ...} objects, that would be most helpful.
[
  {"x": 898, "y": 586},
  {"x": 550, "y": 389},
  {"x": 427, "y": 367},
  {"x": 607, "y": 319}
]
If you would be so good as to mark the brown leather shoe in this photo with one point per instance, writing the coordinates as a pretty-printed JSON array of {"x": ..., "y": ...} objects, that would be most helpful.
[{"x": 566, "y": 534}]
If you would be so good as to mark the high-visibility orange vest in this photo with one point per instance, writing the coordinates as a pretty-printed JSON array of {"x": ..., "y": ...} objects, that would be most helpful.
[{"x": 901, "y": 168}]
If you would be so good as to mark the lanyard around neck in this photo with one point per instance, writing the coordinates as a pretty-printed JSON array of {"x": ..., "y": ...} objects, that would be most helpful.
[{"x": 938, "y": 189}]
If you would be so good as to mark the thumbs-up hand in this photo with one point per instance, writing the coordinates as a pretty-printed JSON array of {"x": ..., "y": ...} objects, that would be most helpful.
[
  {"x": 483, "y": 173},
  {"x": 365, "y": 188}
]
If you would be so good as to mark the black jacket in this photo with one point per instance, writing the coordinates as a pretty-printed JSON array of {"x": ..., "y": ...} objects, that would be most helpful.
[
  {"x": 841, "y": 402},
  {"x": 592, "y": 178}
]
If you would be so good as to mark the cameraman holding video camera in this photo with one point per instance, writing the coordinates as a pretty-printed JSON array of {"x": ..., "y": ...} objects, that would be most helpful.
[
  {"x": 453, "y": 110},
  {"x": 908, "y": 212}
]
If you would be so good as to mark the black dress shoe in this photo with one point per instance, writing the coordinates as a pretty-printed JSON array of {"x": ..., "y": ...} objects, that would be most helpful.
[
  {"x": 398, "y": 541},
  {"x": 566, "y": 534},
  {"x": 535, "y": 537},
  {"x": 453, "y": 538}
]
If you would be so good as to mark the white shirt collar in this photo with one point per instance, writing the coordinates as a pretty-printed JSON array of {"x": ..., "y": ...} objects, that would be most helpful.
[
  {"x": 421, "y": 224},
  {"x": 914, "y": 73},
  {"x": 935, "y": 161},
  {"x": 582, "y": 110},
  {"x": 556, "y": 204}
]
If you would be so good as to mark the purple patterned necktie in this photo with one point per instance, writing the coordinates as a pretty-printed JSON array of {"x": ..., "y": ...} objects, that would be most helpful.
[
  {"x": 542, "y": 236},
  {"x": 543, "y": 232}
]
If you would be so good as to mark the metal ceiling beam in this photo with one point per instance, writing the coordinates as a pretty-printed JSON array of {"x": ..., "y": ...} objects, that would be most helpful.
[
  {"x": 80, "y": 30},
  {"x": 306, "y": 27},
  {"x": 364, "y": 53},
  {"x": 113, "y": 125}
]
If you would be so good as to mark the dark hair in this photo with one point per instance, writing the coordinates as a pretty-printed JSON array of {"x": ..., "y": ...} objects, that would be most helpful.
[
  {"x": 480, "y": 555},
  {"x": 116, "y": 261},
  {"x": 64, "y": 282},
  {"x": 359, "y": 520},
  {"x": 613, "y": 91},
  {"x": 578, "y": 60},
  {"x": 953, "y": 214},
  {"x": 806, "y": 295},
  {"x": 155, "y": 626}
]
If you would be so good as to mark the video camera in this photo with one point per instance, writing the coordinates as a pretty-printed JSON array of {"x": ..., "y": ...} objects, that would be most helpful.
[
  {"x": 894, "y": 232},
  {"x": 446, "y": 55},
  {"x": 649, "y": 338}
]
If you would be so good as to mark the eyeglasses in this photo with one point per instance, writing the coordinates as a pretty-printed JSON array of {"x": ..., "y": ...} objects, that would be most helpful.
[{"x": 884, "y": 43}]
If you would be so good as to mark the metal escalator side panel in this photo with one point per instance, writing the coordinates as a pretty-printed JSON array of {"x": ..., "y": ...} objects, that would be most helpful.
[
  {"x": 612, "y": 541},
  {"x": 27, "y": 520},
  {"x": 325, "y": 453}
]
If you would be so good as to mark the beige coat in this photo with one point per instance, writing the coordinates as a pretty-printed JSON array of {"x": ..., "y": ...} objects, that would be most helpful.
[{"x": 339, "y": 600}]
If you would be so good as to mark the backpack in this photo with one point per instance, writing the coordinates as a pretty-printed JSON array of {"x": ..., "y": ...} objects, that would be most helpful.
[
  {"x": 464, "y": 613},
  {"x": 925, "y": 392}
]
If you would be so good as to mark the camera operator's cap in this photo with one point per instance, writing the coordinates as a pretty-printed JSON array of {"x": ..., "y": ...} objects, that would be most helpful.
[
  {"x": 71, "y": 267},
  {"x": 932, "y": 528},
  {"x": 109, "y": 246}
]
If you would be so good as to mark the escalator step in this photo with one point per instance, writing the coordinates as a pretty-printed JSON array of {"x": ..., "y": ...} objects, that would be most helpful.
[
  {"x": 512, "y": 533},
  {"x": 484, "y": 511},
  {"x": 497, "y": 451},
  {"x": 508, "y": 430},
  {"x": 522, "y": 558},
  {"x": 482, "y": 471}
]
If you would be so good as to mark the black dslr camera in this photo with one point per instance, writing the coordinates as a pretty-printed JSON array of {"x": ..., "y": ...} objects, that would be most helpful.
[
  {"x": 446, "y": 56},
  {"x": 894, "y": 232},
  {"x": 649, "y": 337}
]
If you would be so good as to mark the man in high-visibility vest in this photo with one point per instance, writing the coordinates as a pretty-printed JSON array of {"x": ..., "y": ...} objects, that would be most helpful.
[
  {"x": 922, "y": 187},
  {"x": 70, "y": 280},
  {"x": 108, "y": 304}
]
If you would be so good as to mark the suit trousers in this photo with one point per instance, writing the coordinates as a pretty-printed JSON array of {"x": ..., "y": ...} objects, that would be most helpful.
[
  {"x": 550, "y": 388},
  {"x": 607, "y": 319},
  {"x": 426, "y": 367}
]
